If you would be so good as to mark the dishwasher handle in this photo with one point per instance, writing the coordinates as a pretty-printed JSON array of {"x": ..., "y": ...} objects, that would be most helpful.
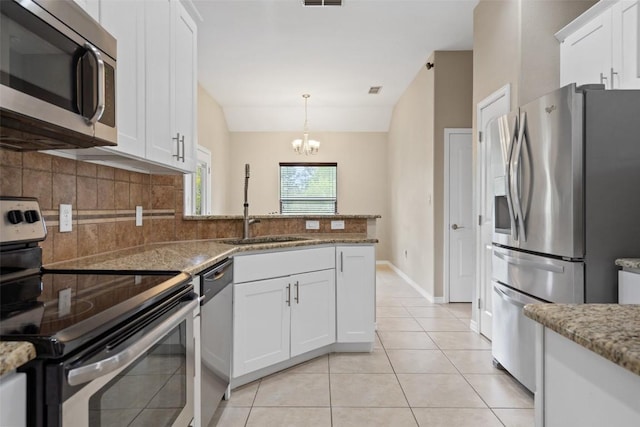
[{"x": 214, "y": 280}]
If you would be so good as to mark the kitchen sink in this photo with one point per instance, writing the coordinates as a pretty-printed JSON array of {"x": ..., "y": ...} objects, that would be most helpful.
[{"x": 263, "y": 240}]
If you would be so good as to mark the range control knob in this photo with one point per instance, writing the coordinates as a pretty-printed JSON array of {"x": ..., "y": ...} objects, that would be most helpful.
[
  {"x": 32, "y": 216},
  {"x": 15, "y": 217}
]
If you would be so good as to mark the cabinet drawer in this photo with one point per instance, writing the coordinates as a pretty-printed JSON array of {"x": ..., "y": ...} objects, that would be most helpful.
[{"x": 277, "y": 264}]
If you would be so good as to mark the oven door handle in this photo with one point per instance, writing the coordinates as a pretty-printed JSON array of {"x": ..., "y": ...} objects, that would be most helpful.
[{"x": 95, "y": 370}]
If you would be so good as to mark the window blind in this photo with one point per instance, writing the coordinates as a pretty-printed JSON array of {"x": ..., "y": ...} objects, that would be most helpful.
[{"x": 308, "y": 188}]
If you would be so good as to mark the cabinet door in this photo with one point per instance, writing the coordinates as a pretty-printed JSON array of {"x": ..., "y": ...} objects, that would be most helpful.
[
  {"x": 313, "y": 311},
  {"x": 625, "y": 45},
  {"x": 585, "y": 56},
  {"x": 125, "y": 21},
  {"x": 158, "y": 80},
  {"x": 185, "y": 86},
  {"x": 261, "y": 324},
  {"x": 355, "y": 293}
]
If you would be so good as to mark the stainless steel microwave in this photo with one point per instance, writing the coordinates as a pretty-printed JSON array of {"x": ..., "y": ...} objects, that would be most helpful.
[{"x": 57, "y": 77}]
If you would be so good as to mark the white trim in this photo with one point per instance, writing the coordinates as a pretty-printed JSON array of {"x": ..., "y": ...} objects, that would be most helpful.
[
  {"x": 413, "y": 284},
  {"x": 445, "y": 259},
  {"x": 202, "y": 155},
  {"x": 586, "y": 17},
  {"x": 504, "y": 91},
  {"x": 473, "y": 325}
]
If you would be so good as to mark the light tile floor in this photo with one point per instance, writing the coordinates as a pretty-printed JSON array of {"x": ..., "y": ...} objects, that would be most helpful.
[{"x": 427, "y": 369}]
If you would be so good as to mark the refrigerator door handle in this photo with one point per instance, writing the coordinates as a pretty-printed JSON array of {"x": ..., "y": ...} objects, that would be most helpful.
[
  {"x": 512, "y": 216},
  {"x": 553, "y": 268},
  {"x": 517, "y": 166}
]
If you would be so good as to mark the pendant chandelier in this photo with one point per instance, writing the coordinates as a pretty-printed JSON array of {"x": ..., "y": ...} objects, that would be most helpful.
[{"x": 305, "y": 145}]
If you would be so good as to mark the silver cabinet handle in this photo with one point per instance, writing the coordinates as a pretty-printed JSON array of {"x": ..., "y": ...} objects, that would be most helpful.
[
  {"x": 177, "y": 140},
  {"x": 603, "y": 79},
  {"x": 288, "y": 301},
  {"x": 103, "y": 367},
  {"x": 456, "y": 227},
  {"x": 297, "y": 292},
  {"x": 97, "y": 114},
  {"x": 182, "y": 143},
  {"x": 613, "y": 73},
  {"x": 528, "y": 263},
  {"x": 341, "y": 262}
]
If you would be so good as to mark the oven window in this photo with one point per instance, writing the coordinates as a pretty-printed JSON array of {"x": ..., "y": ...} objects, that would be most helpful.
[
  {"x": 36, "y": 59},
  {"x": 151, "y": 392}
]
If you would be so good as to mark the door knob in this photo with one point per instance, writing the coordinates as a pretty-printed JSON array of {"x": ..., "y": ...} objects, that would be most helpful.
[{"x": 456, "y": 226}]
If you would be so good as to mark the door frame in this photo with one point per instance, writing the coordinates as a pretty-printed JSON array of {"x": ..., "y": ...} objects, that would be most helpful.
[
  {"x": 503, "y": 92},
  {"x": 445, "y": 268}
]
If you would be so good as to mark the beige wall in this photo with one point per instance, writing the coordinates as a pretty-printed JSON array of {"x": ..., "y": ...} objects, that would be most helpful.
[
  {"x": 213, "y": 134},
  {"x": 453, "y": 97},
  {"x": 411, "y": 181},
  {"x": 362, "y": 172},
  {"x": 437, "y": 99},
  {"x": 514, "y": 42}
]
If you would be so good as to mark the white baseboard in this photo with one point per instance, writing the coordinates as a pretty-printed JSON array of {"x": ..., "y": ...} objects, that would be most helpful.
[{"x": 413, "y": 284}]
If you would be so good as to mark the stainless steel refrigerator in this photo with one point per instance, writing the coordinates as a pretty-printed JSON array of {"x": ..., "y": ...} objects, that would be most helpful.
[{"x": 566, "y": 182}]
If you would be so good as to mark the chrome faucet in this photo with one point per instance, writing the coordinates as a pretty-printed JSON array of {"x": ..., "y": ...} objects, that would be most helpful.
[{"x": 246, "y": 221}]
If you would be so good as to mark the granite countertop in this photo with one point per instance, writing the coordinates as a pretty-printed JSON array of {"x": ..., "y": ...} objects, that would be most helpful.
[
  {"x": 279, "y": 216},
  {"x": 193, "y": 256},
  {"x": 14, "y": 354},
  {"x": 610, "y": 330},
  {"x": 633, "y": 263}
]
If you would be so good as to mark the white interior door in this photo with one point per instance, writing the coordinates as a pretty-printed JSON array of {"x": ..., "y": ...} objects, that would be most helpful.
[
  {"x": 459, "y": 232},
  {"x": 492, "y": 107}
]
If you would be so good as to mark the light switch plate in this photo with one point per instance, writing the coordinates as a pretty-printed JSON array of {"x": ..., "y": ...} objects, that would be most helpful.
[
  {"x": 65, "y": 219},
  {"x": 337, "y": 225},
  {"x": 313, "y": 225},
  {"x": 138, "y": 216},
  {"x": 64, "y": 302}
]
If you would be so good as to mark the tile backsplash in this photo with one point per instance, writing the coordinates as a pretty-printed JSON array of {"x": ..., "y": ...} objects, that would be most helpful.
[{"x": 104, "y": 201}]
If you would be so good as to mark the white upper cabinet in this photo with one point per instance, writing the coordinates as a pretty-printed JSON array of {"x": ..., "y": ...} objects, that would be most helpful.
[
  {"x": 125, "y": 21},
  {"x": 604, "y": 48},
  {"x": 171, "y": 83},
  {"x": 92, "y": 7}
]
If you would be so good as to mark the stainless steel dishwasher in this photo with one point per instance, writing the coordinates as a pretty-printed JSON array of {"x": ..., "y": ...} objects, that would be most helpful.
[{"x": 216, "y": 332}]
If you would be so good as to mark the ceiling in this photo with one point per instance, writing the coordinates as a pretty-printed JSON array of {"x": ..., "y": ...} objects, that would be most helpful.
[{"x": 257, "y": 57}]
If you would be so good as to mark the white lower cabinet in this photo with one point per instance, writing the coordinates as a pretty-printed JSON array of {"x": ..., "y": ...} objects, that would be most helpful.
[
  {"x": 13, "y": 399},
  {"x": 276, "y": 319},
  {"x": 355, "y": 291}
]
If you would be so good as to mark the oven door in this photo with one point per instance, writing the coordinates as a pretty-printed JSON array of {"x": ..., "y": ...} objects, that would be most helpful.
[{"x": 146, "y": 378}]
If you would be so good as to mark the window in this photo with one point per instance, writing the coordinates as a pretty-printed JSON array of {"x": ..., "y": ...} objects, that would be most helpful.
[
  {"x": 308, "y": 188},
  {"x": 197, "y": 186}
]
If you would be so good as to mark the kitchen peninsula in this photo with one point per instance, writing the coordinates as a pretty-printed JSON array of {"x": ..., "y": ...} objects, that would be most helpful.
[{"x": 587, "y": 364}]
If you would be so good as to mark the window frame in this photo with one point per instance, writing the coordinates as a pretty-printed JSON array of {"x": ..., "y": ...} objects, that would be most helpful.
[
  {"x": 203, "y": 156},
  {"x": 306, "y": 164}
]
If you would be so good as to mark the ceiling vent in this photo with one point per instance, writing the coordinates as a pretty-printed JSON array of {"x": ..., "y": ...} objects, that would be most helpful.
[
  {"x": 322, "y": 2},
  {"x": 374, "y": 90}
]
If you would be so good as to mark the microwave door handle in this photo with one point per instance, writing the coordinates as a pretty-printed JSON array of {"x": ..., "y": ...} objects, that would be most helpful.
[
  {"x": 512, "y": 217},
  {"x": 103, "y": 367},
  {"x": 100, "y": 104},
  {"x": 517, "y": 178}
]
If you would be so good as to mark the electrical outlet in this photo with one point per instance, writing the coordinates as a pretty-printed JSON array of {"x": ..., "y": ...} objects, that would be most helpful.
[
  {"x": 65, "y": 219},
  {"x": 337, "y": 225},
  {"x": 313, "y": 225},
  {"x": 138, "y": 216},
  {"x": 64, "y": 302}
]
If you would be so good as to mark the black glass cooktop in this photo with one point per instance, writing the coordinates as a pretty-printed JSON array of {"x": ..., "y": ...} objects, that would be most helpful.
[{"x": 54, "y": 310}]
